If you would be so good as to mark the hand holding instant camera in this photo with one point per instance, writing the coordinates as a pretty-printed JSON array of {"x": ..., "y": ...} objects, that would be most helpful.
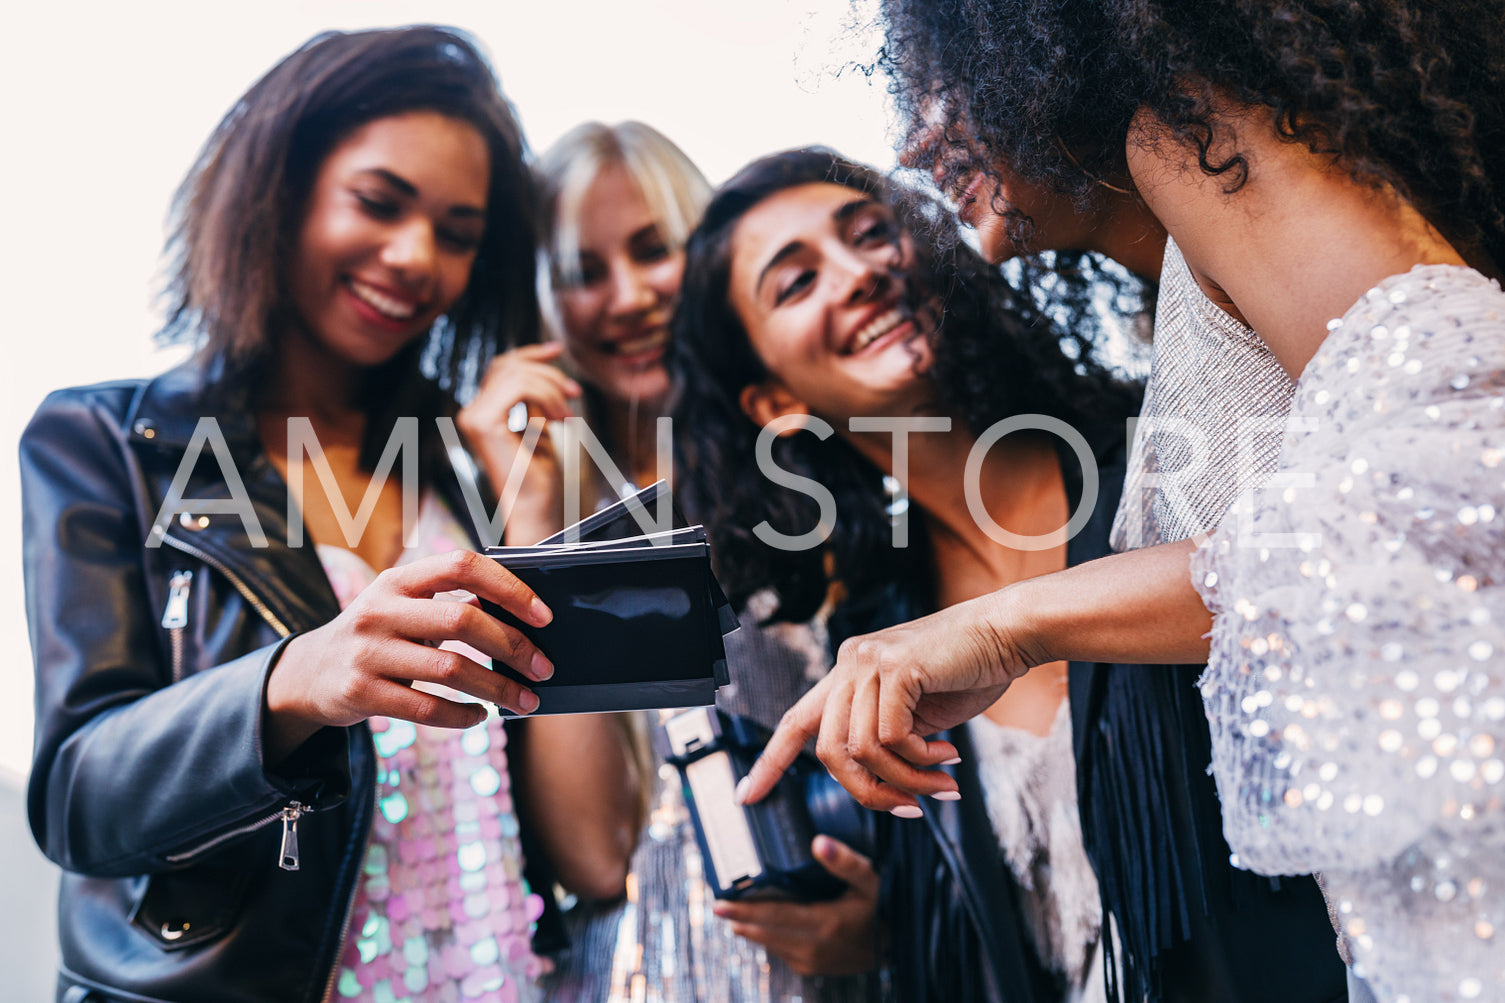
[
  {"x": 364, "y": 663},
  {"x": 761, "y": 850},
  {"x": 837, "y": 937}
]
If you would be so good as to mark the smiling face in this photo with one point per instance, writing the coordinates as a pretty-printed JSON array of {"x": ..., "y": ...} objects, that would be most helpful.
[
  {"x": 393, "y": 222},
  {"x": 615, "y": 307},
  {"x": 817, "y": 281}
]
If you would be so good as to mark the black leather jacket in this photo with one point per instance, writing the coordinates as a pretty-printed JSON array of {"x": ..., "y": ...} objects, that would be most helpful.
[{"x": 148, "y": 785}]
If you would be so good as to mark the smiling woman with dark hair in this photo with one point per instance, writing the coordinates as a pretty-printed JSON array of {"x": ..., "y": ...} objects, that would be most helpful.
[
  {"x": 234, "y": 217},
  {"x": 267, "y": 768},
  {"x": 809, "y": 296},
  {"x": 1024, "y": 361}
]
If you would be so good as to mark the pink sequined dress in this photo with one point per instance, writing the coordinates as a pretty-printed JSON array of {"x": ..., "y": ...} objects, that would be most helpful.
[{"x": 441, "y": 913}]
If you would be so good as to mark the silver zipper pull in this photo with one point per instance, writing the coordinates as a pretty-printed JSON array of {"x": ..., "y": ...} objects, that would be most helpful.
[
  {"x": 176, "y": 615},
  {"x": 289, "y": 859}
]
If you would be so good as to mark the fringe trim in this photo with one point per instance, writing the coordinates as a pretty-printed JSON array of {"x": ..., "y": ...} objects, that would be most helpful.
[{"x": 1144, "y": 827}]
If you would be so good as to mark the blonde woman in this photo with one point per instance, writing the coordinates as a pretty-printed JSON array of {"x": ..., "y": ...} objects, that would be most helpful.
[{"x": 618, "y": 202}]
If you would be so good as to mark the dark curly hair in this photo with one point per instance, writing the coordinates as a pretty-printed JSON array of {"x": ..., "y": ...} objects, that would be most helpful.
[
  {"x": 1037, "y": 85},
  {"x": 1406, "y": 94},
  {"x": 1409, "y": 93},
  {"x": 236, "y": 215},
  {"x": 990, "y": 340},
  {"x": 977, "y": 86}
]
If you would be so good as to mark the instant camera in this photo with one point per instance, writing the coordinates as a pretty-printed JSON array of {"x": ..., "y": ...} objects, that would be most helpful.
[{"x": 760, "y": 850}]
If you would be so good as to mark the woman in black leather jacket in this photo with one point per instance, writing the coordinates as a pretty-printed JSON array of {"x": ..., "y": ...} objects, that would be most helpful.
[
  {"x": 354, "y": 240},
  {"x": 812, "y": 302}
]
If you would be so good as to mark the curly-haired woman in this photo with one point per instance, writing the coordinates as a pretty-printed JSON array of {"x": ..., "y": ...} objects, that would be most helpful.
[
  {"x": 809, "y": 302},
  {"x": 1329, "y": 175}
]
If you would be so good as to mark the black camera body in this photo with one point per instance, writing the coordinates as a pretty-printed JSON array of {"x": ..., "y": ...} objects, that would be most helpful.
[{"x": 763, "y": 849}]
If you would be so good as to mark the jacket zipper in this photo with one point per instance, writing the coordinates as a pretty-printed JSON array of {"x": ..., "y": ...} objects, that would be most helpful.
[
  {"x": 288, "y": 860},
  {"x": 288, "y": 816},
  {"x": 289, "y": 825},
  {"x": 175, "y": 617},
  {"x": 235, "y": 580}
]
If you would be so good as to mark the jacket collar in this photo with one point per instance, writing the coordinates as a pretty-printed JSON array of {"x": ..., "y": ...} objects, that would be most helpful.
[
  {"x": 289, "y": 586},
  {"x": 164, "y": 415},
  {"x": 167, "y": 409}
]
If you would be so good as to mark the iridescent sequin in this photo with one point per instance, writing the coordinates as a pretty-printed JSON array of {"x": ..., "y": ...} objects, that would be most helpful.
[
  {"x": 1377, "y": 760},
  {"x": 441, "y": 912}
]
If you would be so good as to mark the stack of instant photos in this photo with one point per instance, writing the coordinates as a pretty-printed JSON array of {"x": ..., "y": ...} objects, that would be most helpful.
[{"x": 638, "y": 617}]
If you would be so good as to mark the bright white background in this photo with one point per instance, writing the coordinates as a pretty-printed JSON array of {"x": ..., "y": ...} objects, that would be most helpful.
[{"x": 105, "y": 106}]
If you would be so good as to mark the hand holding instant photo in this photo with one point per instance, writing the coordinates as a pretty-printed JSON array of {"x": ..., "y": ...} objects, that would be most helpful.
[{"x": 638, "y": 619}]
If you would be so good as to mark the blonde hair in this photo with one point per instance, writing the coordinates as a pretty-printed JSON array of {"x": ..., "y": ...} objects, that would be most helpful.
[
  {"x": 676, "y": 194},
  {"x": 672, "y": 186}
]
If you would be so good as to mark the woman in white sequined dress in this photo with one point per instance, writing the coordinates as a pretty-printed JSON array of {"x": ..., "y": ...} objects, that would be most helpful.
[{"x": 1330, "y": 174}]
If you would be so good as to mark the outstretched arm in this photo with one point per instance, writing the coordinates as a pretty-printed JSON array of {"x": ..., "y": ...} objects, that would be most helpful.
[{"x": 892, "y": 688}]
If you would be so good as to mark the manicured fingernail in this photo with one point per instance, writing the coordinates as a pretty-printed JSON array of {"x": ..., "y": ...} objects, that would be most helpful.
[
  {"x": 528, "y": 702},
  {"x": 947, "y": 795},
  {"x": 825, "y": 848},
  {"x": 742, "y": 786},
  {"x": 539, "y": 613},
  {"x": 906, "y": 811},
  {"x": 719, "y": 908},
  {"x": 952, "y": 761},
  {"x": 540, "y": 668}
]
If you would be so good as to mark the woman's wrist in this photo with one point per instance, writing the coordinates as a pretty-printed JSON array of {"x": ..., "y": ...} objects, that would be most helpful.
[
  {"x": 1137, "y": 607},
  {"x": 286, "y": 723},
  {"x": 1013, "y": 629}
]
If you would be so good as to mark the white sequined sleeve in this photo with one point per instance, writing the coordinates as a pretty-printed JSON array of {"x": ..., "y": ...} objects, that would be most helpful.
[{"x": 1356, "y": 685}]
